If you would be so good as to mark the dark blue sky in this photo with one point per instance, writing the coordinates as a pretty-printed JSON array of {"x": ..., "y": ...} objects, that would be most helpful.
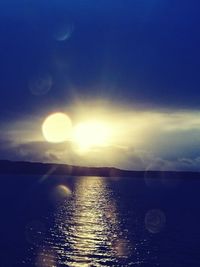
[
  {"x": 138, "y": 51},
  {"x": 133, "y": 53}
]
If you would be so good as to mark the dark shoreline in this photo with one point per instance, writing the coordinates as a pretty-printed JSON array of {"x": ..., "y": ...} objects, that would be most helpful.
[{"x": 36, "y": 168}]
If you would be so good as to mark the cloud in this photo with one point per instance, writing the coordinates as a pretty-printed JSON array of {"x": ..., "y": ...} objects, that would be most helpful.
[
  {"x": 126, "y": 158},
  {"x": 140, "y": 140}
]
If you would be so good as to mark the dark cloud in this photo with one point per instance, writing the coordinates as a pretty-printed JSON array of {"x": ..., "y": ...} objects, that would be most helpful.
[
  {"x": 139, "y": 140},
  {"x": 126, "y": 158},
  {"x": 32, "y": 151}
]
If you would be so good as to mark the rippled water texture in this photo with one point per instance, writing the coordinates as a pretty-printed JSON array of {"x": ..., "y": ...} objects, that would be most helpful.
[
  {"x": 56, "y": 221},
  {"x": 89, "y": 231}
]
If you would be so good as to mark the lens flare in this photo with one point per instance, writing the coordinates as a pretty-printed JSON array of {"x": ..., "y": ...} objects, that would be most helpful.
[
  {"x": 62, "y": 191},
  {"x": 63, "y": 32},
  {"x": 40, "y": 84},
  {"x": 155, "y": 221},
  {"x": 57, "y": 128}
]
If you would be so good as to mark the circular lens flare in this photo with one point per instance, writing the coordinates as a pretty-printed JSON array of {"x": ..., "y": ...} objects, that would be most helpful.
[{"x": 57, "y": 128}]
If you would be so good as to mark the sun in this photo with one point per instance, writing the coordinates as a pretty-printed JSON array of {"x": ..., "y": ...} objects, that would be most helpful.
[
  {"x": 57, "y": 128},
  {"x": 91, "y": 134}
]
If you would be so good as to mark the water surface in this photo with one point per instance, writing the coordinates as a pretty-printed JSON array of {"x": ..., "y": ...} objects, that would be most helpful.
[{"x": 99, "y": 221}]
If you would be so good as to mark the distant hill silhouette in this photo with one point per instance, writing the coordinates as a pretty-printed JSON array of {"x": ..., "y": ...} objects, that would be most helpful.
[{"x": 37, "y": 168}]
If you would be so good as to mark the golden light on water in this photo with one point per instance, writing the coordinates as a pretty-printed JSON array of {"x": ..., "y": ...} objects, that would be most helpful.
[
  {"x": 89, "y": 227},
  {"x": 46, "y": 258},
  {"x": 57, "y": 128},
  {"x": 90, "y": 134}
]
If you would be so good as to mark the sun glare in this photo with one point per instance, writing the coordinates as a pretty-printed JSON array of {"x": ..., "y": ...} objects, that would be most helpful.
[
  {"x": 57, "y": 128},
  {"x": 91, "y": 134}
]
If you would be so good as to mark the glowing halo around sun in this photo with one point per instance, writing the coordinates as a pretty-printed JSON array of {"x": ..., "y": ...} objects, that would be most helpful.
[
  {"x": 91, "y": 134},
  {"x": 57, "y": 128}
]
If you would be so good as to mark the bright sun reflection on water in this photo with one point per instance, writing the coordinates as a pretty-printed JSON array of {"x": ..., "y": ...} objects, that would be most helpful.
[{"x": 89, "y": 226}]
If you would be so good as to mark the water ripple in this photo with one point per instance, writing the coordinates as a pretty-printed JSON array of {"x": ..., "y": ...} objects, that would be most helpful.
[{"x": 87, "y": 231}]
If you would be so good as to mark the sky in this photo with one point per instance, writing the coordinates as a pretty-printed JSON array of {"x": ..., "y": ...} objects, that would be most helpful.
[{"x": 132, "y": 65}]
